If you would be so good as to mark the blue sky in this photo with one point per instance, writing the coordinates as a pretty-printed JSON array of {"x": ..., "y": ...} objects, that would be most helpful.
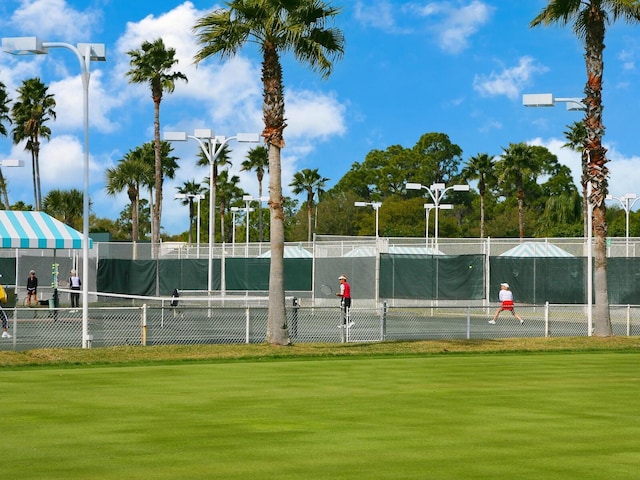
[{"x": 410, "y": 67}]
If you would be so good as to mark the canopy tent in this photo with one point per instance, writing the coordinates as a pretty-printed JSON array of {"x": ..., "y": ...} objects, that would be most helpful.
[
  {"x": 371, "y": 251},
  {"x": 291, "y": 252},
  {"x": 36, "y": 230},
  {"x": 536, "y": 249}
]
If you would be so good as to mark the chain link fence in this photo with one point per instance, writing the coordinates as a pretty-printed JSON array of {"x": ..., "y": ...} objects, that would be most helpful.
[{"x": 32, "y": 328}]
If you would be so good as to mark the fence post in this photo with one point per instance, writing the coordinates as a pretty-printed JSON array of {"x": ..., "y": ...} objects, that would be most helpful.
[
  {"x": 628, "y": 320},
  {"x": 383, "y": 320},
  {"x": 247, "y": 315},
  {"x": 144, "y": 325},
  {"x": 546, "y": 319},
  {"x": 468, "y": 323}
]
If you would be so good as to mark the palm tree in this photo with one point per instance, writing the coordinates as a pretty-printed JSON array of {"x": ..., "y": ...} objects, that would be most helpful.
[
  {"x": 31, "y": 112},
  {"x": 575, "y": 136},
  {"x": 190, "y": 188},
  {"x": 277, "y": 27},
  {"x": 65, "y": 205},
  {"x": 311, "y": 182},
  {"x": 480, "y": 168},
  {"x": 228, "y": 191},
  {"x": 131, "y": 173},
  {"x": 590, "y": 18},
  {"x": 221, "y": 159},
  {"x": 4, "y": 117},
  {"x": 152, "y": 64},
  {"x": 515, "y": 165},
  {"x": 258, "y": 160}
]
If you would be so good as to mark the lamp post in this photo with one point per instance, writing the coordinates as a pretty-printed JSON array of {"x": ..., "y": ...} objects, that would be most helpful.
[
  {"x": 574, "y": 105},
  {"x": 198, "y": 197},
  {"x": 376, "y": 206},
  {"x": 548, "y": 100},
  {"x": 627, "y": 201},
  {"x": 248, "y": 199},
  {"x": 86, "y": 53},
  {"x": 211, "y": 146},
  {"x": 436, "y": 192}
]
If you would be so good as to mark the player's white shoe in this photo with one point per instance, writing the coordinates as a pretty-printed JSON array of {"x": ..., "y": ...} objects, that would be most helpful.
[
  {"x": 6, "y": 335},
  {"x": 492, "y": 322}
]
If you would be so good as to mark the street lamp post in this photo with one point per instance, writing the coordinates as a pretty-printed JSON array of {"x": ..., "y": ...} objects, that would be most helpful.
[
  {"x": 427, "y": 209},
  {"x": 627, "y": 201},
  {"x": 211, "y": 146},
  {"x": 198, "y": 197},
  {"x": 86, "y": 53},
  {"x": 548, "y": 100},
  {"x": 575, "y": 105},
  {"x": 376, "y": 206},
  {"x": 248, "y": 199},
  {"x": 436, "y": 192}
]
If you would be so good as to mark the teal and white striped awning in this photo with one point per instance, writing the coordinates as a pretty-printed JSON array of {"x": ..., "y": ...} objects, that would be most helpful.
[
  {"x": 36, "y": 230},
  {"x": 371, "y": 251},
  {"x": 536, "y": 249},
  {"x": 291, "y": 252}
]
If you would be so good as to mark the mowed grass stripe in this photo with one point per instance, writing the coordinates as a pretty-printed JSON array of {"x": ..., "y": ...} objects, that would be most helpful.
[{"x": 551, "y": 415}]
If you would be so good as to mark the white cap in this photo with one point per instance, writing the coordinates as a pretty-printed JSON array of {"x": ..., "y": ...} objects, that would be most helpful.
[
  {"x": 342, "y": 277},
  {"x": 504, "y": 285}
]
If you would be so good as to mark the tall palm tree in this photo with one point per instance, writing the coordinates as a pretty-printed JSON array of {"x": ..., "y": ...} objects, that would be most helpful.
[
  {"x": 33, "y": 109},
  {"x": 131, "y": 173},
  {"x": 65, "y": 205},
  {"x": 258, "y": 160},
  {"x": 575, "y": 136},
  {"x": 152, "y": 64},
  {"x": 480, "y": 168},
  {"x": 221, "y": 159},
  {"x": 228, "y": 191},
  {"x": 190, "y": 188},
  {"x": 4, "y": 118},
  {"x": 311, "y": 182},
  {"x": 277, "y": 27},
  {"x": 590, "y": 18},
  {"x": 515, "y": 164}
]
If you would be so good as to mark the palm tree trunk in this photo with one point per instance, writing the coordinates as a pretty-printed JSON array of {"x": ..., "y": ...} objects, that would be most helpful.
[
  {"x": 598, "y": 171},
  {"x": 521, "y": 213},
  {"x": 5, "y": 195},
  {"x": 482, "y": 214},
  {"x": 274, "y": 124},
  {"x": 277, "y": 331},
  {"x": 157, "y": 210},
  {"x": 309, "y": 214},
  {"x": 260, "y": 211},
  {"x": 33, "y": 174}
]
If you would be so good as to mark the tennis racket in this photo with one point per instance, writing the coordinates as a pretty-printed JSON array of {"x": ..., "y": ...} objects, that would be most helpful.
[{"x": 326, "y": 290}]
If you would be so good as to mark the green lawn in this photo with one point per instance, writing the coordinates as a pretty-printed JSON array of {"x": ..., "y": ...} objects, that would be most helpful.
[{"x": 535, "y": 415}]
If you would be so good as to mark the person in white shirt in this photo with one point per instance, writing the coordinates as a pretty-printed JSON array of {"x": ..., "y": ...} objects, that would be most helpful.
[
  {"x": 506, "y": 299},
  {"x": 74, "y": 284}
]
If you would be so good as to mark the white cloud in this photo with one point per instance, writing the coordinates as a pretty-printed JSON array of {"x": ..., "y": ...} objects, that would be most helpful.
[
  {"x": 510, "y": 81},
  {"x": 377, "y": 14},
  {"x": 54, "y": 18},
  {"x": 452, "y": 23}
]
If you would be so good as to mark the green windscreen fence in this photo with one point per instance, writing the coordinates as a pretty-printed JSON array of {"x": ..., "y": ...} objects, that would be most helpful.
[
  {"x": 437, "y": 277},
  {"x": 560, "y": 280},
  {"x": 8, "y": 271},
  {"x": 141, "y": 277},
  {"x": 623, "y": 280},
  {"x": 540, "y": 280}
]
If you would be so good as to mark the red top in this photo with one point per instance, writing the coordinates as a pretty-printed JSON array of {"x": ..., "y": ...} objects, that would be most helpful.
[{"x": 346, "y": 290}]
